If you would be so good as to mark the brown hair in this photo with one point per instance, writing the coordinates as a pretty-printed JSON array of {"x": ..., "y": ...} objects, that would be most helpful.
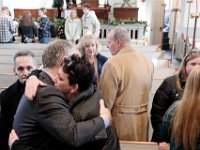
[
  {"x": 86, "y": 5},
  {"x": 182, "y": 74},
  {"x": 27, "y": 19},
  {"x": 186, "y": 122}
]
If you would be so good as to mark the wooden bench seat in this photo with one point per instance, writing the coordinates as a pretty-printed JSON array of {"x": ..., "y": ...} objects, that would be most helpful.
[
  {"x": 135, "y": 145},
  {"x": 12, "y": 52}
]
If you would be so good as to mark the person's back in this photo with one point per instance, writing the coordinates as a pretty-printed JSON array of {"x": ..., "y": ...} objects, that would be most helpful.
[
  {"x": 85, "y": 106},
  {"x": 23, "y": 64},
  {"x": 6, "y": 27},
  {"x": 44, "y": 33},
  {"x": 126, "y": 83},
  {"x": 27, "y": 28}
]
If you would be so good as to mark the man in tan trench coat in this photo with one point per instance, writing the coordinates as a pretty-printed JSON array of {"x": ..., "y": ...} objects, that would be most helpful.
[{"x": 125, "y": 84}]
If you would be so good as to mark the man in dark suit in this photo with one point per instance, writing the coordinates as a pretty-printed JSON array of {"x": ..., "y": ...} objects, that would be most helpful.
[
  {"x": 58, "y": 4},
  {"x": 72, "y": 2},
  {"x": 24, "y": 63},
  {"x": 45, "y": 122}
]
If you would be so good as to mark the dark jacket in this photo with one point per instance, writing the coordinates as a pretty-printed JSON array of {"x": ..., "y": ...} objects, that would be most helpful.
[
  {"x": 45, "y": 123},
  {"x": 165, "y": 130},
  {"x": 165, "y": 95},
  {"x": 28, "y": 33},
  {"x": 9, "y": 99},
  {"x": 86, "y": 106},
  {"x": 101, "y": 60}
]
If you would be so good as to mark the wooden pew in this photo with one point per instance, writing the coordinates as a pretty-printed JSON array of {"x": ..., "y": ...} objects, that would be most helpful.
[
  {"x": 135, "y": 145},
  {"x": 12, "y": 52}
]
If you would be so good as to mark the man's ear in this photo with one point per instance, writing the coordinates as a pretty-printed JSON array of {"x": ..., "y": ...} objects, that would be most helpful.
[
  {"x": 14, "y": 71},
  {"x": 63, "y": 60},
  {"x": 74, "y": 88}
]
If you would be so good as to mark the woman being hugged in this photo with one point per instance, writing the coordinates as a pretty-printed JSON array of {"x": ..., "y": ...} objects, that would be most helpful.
[
  {"x": 90, "y": 47},
  {"x": 73, "y": 27},
  {"x": 27, "y": 29}
]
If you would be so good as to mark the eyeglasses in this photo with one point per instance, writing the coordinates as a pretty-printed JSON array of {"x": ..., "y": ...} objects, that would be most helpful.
[{"x": 21, "y": 69}]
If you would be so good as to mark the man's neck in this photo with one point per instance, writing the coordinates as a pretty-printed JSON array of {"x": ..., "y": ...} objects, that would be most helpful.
[{"x": 53, "y": 72}]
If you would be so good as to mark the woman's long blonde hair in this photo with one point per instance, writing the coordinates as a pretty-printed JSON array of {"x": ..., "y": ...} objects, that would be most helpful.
[{"x": 186, "y": 123}]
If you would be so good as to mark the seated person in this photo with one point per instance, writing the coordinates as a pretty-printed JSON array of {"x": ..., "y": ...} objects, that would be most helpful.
[
  {"x": 44, "y": 33},
  {"x": 27, "y": 29},
  {"x": 6, "y": 26},
  {"x": 180, "y": 126}
]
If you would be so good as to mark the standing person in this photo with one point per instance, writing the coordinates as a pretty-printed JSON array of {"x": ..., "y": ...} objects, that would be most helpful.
[
  {"x": 24, "y": 63},
  {"x": 171, "y": 90},
  {"x": 44, "y": 33},
  {"x": 59, "y": 5},
  {"x": 90, "y": 47},
  {"x": 69, "y": 2},
  {"x": 45, "y": 122},
  {"x": 73, "y": 27},
  {"x": 6, "y": 26},
  {"x": 27, "y": 29},
  {"x": 90, "y": 21},
  {"x": 181, "y": 123},
  {"x": 125, "y": 84},
  {"x": 75, "y": 81}
]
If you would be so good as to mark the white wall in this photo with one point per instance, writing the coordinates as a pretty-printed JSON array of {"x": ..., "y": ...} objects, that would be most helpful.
[{"x": 27, "y": 4}]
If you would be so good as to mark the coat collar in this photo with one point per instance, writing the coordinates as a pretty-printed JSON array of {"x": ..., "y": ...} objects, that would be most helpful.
[
  {"x": 46, "y": 78},
  {"x": 126, "y": 49},
  {"x": 82, "y": 96}
]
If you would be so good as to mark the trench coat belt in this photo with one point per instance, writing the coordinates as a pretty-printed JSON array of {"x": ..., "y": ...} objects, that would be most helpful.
[{"x": 132, "y": 109}]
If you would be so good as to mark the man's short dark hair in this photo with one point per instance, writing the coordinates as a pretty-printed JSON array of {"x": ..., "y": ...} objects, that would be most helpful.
[
  {"x": 86, "y": 5},
  {"x": 80, "y": 71}
]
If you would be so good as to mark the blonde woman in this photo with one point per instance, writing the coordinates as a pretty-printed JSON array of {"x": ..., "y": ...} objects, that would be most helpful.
[
  {"x": 89, "y": 47},
  {"x": 73, "y": 27},
  {"x": 181, "y": 123}
]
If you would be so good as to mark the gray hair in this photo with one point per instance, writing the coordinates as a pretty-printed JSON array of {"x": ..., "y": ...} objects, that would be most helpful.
[
  {"x": 55, "y": 51},
  {"x": 23, "y": 53},
  {"x": 121, "y": 33}
]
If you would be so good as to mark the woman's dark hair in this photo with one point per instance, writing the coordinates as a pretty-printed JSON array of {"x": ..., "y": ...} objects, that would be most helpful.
[{"x": 80, "y": 71}]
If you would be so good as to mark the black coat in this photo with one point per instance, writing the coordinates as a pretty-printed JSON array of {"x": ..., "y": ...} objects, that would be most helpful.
[
  {"x": 9, "y": 99},
  {"x": 165, "y": 95},
  {"x": 86, "y": 106},
  {"x": 46, "y": 124}
]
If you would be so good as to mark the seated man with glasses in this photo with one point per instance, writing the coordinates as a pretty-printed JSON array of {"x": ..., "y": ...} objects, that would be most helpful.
[{"x": 24, "y": 63}]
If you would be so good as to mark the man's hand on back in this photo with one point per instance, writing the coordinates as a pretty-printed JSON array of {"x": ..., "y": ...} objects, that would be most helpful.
[
  {"x": 105, "y": 113},
  {"x": 32, "y": 85}
]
